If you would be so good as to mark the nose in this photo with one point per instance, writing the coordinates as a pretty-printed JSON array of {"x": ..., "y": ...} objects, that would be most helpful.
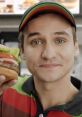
[{"x": 49, "y": 52}]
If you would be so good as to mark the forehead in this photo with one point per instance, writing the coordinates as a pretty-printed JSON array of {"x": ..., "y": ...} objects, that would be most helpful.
[
  {"x": 48, "y": 23},
  {"x": 44, "y": 17}
]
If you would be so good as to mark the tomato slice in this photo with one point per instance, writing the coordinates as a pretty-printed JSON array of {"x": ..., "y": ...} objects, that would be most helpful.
[{"x": 5, "y": 55}]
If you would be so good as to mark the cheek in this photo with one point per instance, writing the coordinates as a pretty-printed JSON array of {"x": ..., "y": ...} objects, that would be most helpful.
[
  {"x": 32, "y": 56},
  {"x": 68, "y": 55}
]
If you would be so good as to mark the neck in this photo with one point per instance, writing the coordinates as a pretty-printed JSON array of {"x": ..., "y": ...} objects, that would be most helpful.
[{"x": 55, "y": 93}]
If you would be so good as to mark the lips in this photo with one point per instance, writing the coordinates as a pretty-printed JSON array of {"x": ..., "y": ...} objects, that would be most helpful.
[{"x": 50, "y": 65}]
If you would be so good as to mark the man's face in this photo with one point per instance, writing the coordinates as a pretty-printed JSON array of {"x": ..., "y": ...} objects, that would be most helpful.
[{"x": 49, "y": 48}]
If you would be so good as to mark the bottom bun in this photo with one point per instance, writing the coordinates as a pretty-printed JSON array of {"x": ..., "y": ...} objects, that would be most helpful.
[{"x": 10, "y": 74}]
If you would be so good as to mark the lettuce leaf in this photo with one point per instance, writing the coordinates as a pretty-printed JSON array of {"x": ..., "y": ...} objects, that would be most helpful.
[
  {"x": 12, "y": 51},
  {"x": 15, "y": 52},
  {"x": 6, "y": 50}
]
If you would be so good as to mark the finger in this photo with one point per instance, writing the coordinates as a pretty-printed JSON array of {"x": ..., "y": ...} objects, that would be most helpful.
[
  {"x": 11, "y": 83},
  {"x": 2, "y": 79},
  {"x": 6, "y": 85}
]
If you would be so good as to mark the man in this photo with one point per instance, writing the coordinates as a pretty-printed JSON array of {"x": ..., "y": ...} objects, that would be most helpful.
[{"x": 48, "y": 43}]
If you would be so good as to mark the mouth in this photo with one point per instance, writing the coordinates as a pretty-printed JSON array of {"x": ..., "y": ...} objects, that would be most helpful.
[{"x": 50, "y": 65}]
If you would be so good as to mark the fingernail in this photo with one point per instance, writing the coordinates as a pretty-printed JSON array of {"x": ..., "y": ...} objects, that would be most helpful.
[{"x": 2, "y": 78}]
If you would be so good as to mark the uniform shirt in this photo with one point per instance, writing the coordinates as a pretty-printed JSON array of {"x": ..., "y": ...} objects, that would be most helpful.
[{"x": 21, "y": 100}]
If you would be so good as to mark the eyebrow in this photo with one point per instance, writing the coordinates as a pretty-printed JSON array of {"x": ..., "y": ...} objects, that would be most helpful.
[
  {"x": 62, "y": 33},
  {"x": 33, "y": 34},
  {"x": 58, "y": 33}
]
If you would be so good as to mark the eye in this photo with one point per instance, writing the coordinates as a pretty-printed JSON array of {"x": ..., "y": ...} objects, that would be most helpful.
[
  {"x": 36, "y": 42},
  {"x": 60, "y": 41}
]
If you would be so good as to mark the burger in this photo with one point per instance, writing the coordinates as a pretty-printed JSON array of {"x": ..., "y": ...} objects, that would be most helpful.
[{"x": 9, "y": 62}]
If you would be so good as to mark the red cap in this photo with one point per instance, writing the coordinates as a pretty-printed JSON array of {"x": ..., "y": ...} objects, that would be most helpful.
[{"x": 49, "y": 7}]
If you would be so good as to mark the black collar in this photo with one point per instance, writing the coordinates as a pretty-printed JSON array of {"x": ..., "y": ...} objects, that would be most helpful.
[{"x": 28, "y": 86}]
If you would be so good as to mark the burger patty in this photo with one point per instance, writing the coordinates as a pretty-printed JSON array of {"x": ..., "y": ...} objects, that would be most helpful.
[{"x": 10, "y": 66}]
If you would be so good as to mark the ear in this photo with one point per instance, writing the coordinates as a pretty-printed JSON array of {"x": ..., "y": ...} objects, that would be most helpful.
[
  {"x": 77, "y": 51},
  {"x": 22, "y": 54}
]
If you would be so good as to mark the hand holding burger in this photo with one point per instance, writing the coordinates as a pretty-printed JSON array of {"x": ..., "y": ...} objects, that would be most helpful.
[
  {"x": 9, "y": 62},
  {"x": 4, "y": 85}
]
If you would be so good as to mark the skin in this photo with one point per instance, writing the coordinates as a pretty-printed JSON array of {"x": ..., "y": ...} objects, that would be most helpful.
[
  {"x": 4, "y": 85},
  {"x": 49, "y": 51}
]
